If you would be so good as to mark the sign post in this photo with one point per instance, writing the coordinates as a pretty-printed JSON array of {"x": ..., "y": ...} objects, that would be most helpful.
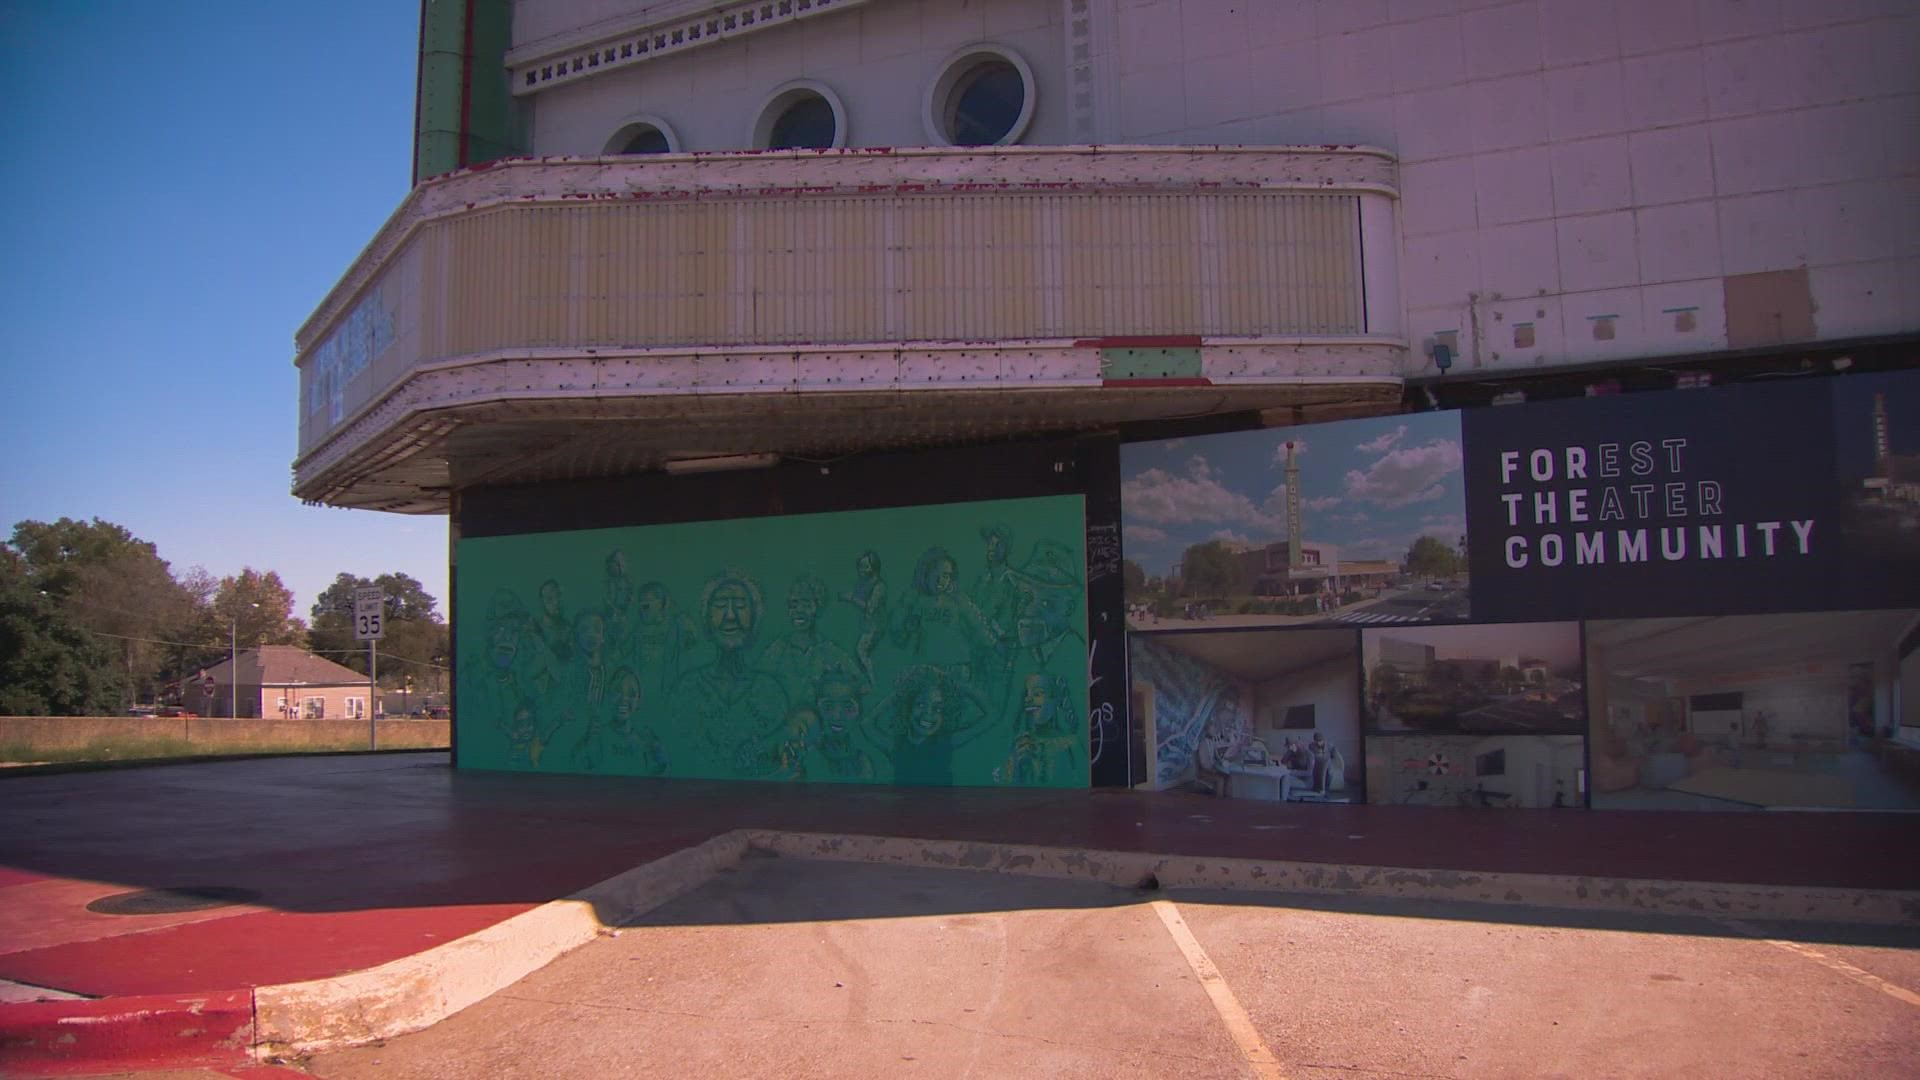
[{"x": 369, "y": 611}]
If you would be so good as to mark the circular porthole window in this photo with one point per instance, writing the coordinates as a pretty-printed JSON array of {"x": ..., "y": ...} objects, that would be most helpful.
[
  {"x": 984, "y": 97},
  {"x": 801, "y": 115},
  {"x": 642, "y": 135}
]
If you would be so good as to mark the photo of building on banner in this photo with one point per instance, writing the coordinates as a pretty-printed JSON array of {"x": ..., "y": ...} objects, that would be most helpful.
[{"x": 1358, "y": 523}]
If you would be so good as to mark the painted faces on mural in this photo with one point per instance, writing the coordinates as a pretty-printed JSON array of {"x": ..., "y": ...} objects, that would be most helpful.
[
  {"x": 1044, "y": 613},
  {"x": 620, "y": 593},
  {"x": 730, "y": 615},
  {"x": 1038, "y": 702},
  {"x": 802, "y": 609},
  {"x": 626, "y": 698},
  {"x": 590, "y": 632},
  {"x": 928, "y": 714},
  {"x": 550, "y": 598},
  {"x": 651, "y": 604},
  {"x": 503, "y": 643},
  {"x": 944, "y": 574},
  {"x": 837, "y": 703},
  {"x": 867, "y": 565},
  {"x": 996, "y": 547}
]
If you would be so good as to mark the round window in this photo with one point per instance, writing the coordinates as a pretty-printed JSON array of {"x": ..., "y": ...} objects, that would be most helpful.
[
  {"x": 647, "y": 140},
  {"x": 807, "y": 124},
  {"x": 642, "y": 134},
  {"x": 800, "y": 115},
  {"x": 983, "y": 97},
  {"x": 986, "y": 104}
]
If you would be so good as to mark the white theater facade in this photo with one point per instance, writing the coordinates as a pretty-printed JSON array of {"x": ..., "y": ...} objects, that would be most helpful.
[{"x": 793, "y": 373}]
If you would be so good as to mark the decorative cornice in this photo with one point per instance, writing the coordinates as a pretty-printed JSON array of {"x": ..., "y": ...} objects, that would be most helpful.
[{"x": 553, "y": 62}]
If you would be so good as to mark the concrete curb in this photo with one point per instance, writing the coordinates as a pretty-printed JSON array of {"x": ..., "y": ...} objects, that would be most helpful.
[
  {"x": 92, "y": 1035},
  {"x": 1694, "y": 898},
  {"x": 417, "y": 991},
  {"x": 420, "y": 990}
]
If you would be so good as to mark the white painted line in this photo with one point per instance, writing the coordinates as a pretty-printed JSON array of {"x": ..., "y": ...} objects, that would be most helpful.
[
  {"x": 1831, "y": 963},
  {"x": 1239, "y": 1024}
]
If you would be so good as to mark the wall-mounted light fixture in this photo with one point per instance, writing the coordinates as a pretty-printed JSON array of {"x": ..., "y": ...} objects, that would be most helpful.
[{"x": 719, "y": 463}]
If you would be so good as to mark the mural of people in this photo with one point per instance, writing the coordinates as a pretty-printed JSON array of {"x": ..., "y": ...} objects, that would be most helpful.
[
  {"x": 803, "y": 655},
  {"x": 584, "y": 698},
  {"x": 938, "y": 625},
  {"x": 619, "y": 613},
  {"x": 621, "y": 732},
  {"x": 677, "y": 670},
  {"x": 1049, "y": 734},
  {"x": 498, "y": 686},
  {"x": 869, "y": 594},
  {"x": 923, "y": 722},
  {"x": 662, "y": 634},
  {"x": 553, "y": 626},
  {"x": 836, "y": 708},
  {"x": 729, "y": 703},
  {"x": 1047, "y": 606},
  {"x": 992, "y": 592}
]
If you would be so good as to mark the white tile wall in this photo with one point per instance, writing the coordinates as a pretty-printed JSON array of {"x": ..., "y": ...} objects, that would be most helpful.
[
  {"x": 1667, "y": 310},
  {"x": 1859, "y": 299},
  {"x": 1655, "y": 25},
  {"x": 1437, "y": 196},
  {"x": 1760, "y": 233},
  {"x": 1586, "y": 100},
  {"x": 1520, "y": 260},
  {"x": 1502, "y": 40},
  {"x": 1614, "y": 153},
  {"x": 1577, "y": 32},
  {"x": 1426, "y": 54},
  {"x": 1678, "y": 241},
  {"x": 1724, "y": 19},
  {"x": 1597, "y": 251},
  {"x": 1664, "y": 89},
  {"x": 1671, "y": 165},
  {"x": 1510, "y": 112},
  {"x": 1515, "y": 185},
  {"x": 1592, "y": 175}
]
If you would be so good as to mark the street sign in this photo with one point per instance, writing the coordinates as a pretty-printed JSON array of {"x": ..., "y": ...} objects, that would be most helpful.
[{"x": 369, "y": 610}]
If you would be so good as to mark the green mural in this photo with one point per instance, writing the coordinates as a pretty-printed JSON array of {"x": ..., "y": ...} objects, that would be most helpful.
[{"x": 926, "y": 645}]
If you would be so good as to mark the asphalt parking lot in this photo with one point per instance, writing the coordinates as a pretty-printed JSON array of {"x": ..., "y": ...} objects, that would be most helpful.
[{"x": 789, "y": 967}]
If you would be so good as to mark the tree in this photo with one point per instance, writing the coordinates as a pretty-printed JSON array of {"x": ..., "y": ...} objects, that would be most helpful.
[
  {"x": 110, "y": 582},
  {"x": 1430, "y": 557},
  {"x": 415, "y": 641},
  {"x": 1209, "y": 569},
  {"x": 48, "y": 665},
  {"x": 1133, "y": 578},
  {"x": 255, "y": 609}
]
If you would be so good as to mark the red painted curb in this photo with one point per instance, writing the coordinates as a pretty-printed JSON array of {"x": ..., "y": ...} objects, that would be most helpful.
[{"x": 56, "y": 1038}]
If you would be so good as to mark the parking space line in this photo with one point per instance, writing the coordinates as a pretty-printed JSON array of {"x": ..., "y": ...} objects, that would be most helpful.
[
  {"x": 1834, "y": 964},
  {"x": 1239, "y": 1025}
]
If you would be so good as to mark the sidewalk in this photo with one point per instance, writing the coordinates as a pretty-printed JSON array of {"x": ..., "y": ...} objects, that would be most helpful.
[{"x": 355, "y": 862}]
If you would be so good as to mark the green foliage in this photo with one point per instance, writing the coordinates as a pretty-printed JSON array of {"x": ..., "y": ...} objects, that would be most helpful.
[
  {"x": 48, "y": 665},
  {"x": 1209, "y": 569},
  {"x": 1431, "y": 557},
  {"x": 108, "y": 581},
  {"x": 415, "y": 643}
]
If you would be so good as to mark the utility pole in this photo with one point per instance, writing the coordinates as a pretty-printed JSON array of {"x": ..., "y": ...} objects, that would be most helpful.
[{"x": 373, "y": 694}]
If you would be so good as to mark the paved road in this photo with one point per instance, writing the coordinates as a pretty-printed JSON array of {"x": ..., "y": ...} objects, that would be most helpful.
[{"x": 794, "y": 968}]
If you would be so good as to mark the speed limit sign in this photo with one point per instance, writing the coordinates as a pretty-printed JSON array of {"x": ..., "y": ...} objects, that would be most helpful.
[{"x": 369, "y": 609}]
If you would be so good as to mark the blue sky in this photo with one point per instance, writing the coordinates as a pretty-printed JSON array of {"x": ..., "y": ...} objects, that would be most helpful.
[
  {"x": 182, "y": 184},
  {"x": 1370, "y": 487}
]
